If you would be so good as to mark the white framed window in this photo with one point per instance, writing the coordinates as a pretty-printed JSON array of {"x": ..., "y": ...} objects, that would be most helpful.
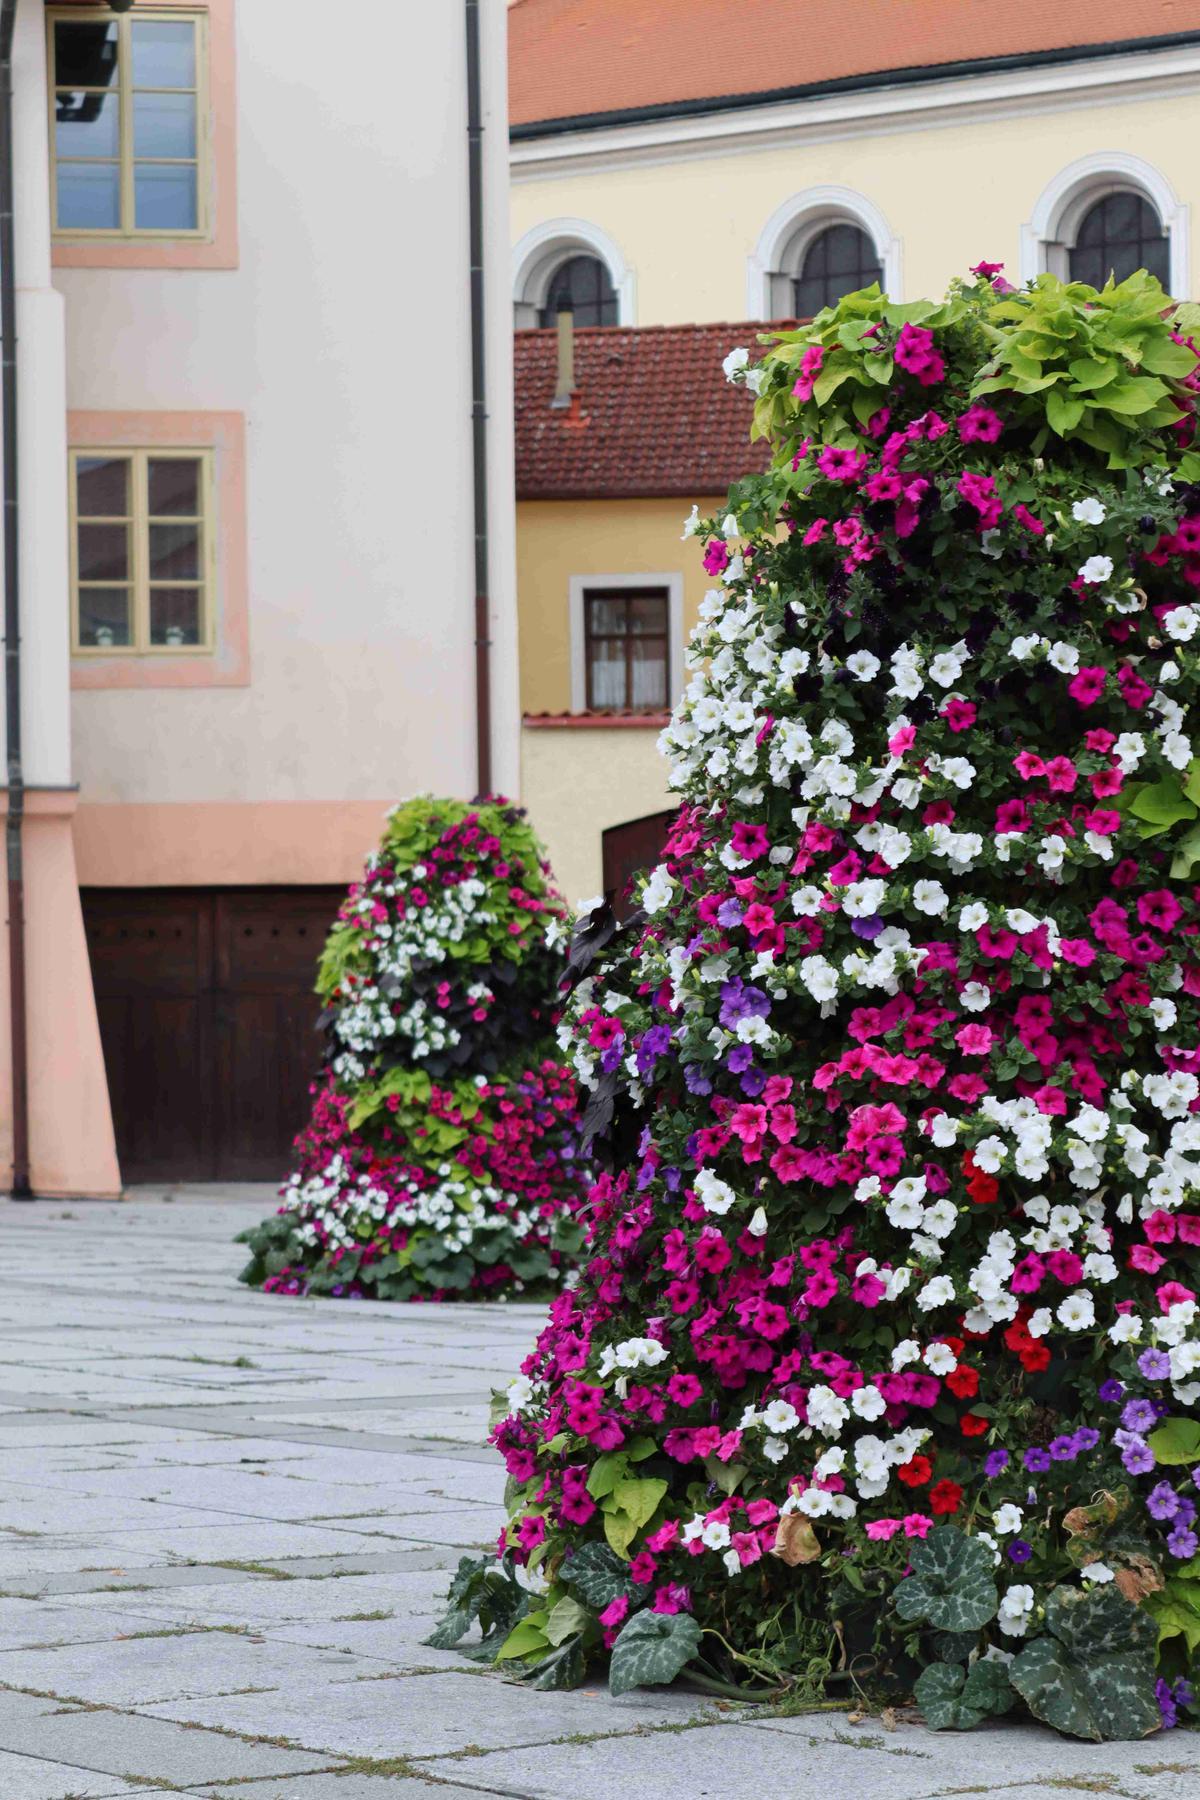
[
  {"x": 142, "y": 577},
  {"x": 1111, "y": 212},
  {"x": 128, "y": 151},
  {"x": 626, "y": 642},
  {"x": 571, "y": 261},
  {"x": 820, "y": 244}
]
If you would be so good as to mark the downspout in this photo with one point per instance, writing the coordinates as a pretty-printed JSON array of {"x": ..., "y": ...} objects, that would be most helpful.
[
  {"x": 483, "y": 642},
  {"x": 14, "y": 820}
]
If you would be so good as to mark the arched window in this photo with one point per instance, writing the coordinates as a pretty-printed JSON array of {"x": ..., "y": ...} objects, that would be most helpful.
[
  {"x": 1116, "y": 236},
  {"x": 582, "y": 286},
  {"x": 839, "y": 260}
]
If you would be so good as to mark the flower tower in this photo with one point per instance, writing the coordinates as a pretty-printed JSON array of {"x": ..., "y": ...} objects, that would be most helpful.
[
  {"x": 883, "y": 1365},
  {"x": 440, "y": 1158}
]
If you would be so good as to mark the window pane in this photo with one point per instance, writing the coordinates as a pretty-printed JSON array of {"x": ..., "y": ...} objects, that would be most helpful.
[
  {"x": 174, "y": 552},
  {"x": 175, "y": 616},
  {"x": 164, "y": 125},
  {"x": 164, "y": 197},
  {"x": 606, "y": 673},
  {"x": 102, "y": 487},
  {"x": 89, "y": 197},
  {"x": 1118, "y": 235},
  {"x": 103, "y": 617},
  {"x": 174, "y": 486},
  {"x": 85, "y": 54},
  {"x": 649, "y": 675},
  {"x": 605, "y": 618},
  {"x": 104, "y": 553},
  {"x": 164, "y": 54},
  {"x": 581, "y": 286},
  {"x": 87, "y": 124},
  {"x": 840, "y": 260},
  {"x": 648, "y": 614}
]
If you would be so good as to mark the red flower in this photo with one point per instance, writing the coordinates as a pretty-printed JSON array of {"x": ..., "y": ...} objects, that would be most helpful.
[
  {"x": 971, "y": 1425},
  {"x": 916, "y": 1472},
  {"x": 945, "y": 1497},
  {"x": 963, "y": 1382}
]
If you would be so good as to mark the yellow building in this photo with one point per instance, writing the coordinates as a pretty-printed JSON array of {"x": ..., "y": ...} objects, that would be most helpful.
[{"x": 712, "y": 160}]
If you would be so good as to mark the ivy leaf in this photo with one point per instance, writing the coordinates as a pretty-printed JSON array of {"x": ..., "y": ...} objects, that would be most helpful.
[
  {"x": 954, "y": 1699},
  {"x": 951, "y": 1585},
  {"x": 651, "y": 1650},
  {"x": 1176, "y": 1441},
  {"x": 1092, "y": 1674},
  {"x": 597, "y": 1575}
]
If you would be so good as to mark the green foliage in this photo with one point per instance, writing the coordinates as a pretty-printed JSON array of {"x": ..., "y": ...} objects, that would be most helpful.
[
  {"x": 482, "y": 1590},
  {"x": 652, "y": 1649},
  {"x": 951, "y": 1586},
  {"x": 597, "y": 1575},
  {"x": 1176, "y": 1441},
  {"x": 1098, "y": 371},
  {"x": 1092, "y": 1674},
  {"x": 1175, "y": 1607},
  {"x": 954, "y": 1699}
]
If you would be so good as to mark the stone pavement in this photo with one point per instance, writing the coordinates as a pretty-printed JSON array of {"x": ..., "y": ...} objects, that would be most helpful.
[{"x": 226, "y": 1522}]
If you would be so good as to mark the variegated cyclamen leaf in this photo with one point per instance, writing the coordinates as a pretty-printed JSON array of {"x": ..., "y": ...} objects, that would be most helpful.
[
  {"x": 564, "y": 1667},
  {"x": 1092, "y": 1674},
  {"x": 954, "y": 1699},
  {"x": 651, "y": 1650},
  {"x": 951, "y": 1585},
  {"x": 597, "y": 1576}
]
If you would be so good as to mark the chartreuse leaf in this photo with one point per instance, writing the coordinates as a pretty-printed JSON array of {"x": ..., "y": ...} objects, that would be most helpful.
[
  {"x": 1092, "y": 1674},
  {"x": 597, "y": 1575},
  {"x": 1176, "y": 1441},
  {"x": 607, "y": 1470},
  {"x": 567, "y": 1619},
  {"x": 953, "y": 1698},
  {"x": 951, "y": 1586},
  {"x": 1175, "y": 1609},
  {"x": 652, "y": 1649},
  {"x": 639, "y": 1498},
  {"x": 526, "y": 1638}
]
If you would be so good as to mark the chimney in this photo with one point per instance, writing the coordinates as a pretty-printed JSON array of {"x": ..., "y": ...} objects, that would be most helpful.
[{"x": 564, "y": 384}]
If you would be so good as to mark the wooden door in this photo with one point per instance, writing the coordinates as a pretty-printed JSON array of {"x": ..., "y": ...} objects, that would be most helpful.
[
  {"x": 626, "y": 849},
  {"x": 207, "y": 1019}
]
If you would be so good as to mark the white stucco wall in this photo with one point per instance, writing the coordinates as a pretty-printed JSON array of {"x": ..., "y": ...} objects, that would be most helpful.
[{"x": 343, "y": 336}]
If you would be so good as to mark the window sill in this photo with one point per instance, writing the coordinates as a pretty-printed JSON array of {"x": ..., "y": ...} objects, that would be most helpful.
[{"x": 220, "y": 252}]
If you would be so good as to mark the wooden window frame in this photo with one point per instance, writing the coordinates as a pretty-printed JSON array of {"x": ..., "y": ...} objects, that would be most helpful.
[
  {"x": 625, "y": 596},
  {"x": 140, "y": 581},
  {"x": 129, "y": 232}
]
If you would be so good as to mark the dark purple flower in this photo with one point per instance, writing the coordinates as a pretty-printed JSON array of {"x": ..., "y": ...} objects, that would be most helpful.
[
  {"x": 1196, "y": 1476},
  {"x": 1162, "y": 1502},
  {"x": 1166, "y": 1703},
  {"x": 740, "y": 1001},
  {"x": 994, "y": 1463},
  {"x": 753, "y": 1082},
  {"x": 867, "y": 928},
  {"x": 739, "y": 1059},
  {"x": 655, "y": 1043},
  {"x": 1110, "y": 1391},
  {"x": 1185, "y": 1511},
  {"x": 1063, "y": 1449},
  {"x": 1086, "y": 1439},
  {"x": 1019, "y": 1551},
  {"x": 1036, "y": 1461},
  {"x": 1154, "y": 1364},
  {"x": 695, "y": 1080}
]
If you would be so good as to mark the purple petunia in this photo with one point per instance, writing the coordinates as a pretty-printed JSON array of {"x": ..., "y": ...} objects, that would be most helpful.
[
  {"x": 1137, "y": 1456},
  {"x": 739, "y": 1000},
  {"x": 996, "y": 1461},
  {"x": 1162, "y": 1502},
  {"x": 730, "y": 913},
  {"x": 1183, "y": 1542},
  {"x": 1036, "y": 1461},
  {"x": 1064, "y": 1449},
  {"x": 1019, "y": 1551},
  {"x": 1139, "y": 1416},
  {"x": 1155, "y": 1365},
  {"x": 1110, "y": 1391}
]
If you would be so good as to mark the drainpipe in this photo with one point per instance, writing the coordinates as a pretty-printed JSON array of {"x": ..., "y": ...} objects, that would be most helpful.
[
  {"x": 483, "y": 642},
  {"x": 14, "y": 820}
]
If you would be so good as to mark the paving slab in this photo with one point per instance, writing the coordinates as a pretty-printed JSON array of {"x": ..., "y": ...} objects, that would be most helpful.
[
  {"x": 165, "y": 1665},
  {"x": 30, "y": 1778},
  {"x": 357, "y": 1787}
]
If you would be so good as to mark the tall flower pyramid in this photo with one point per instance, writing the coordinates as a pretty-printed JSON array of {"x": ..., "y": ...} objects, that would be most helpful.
[
  {"x": 884, "y": 1361},
  {"x": 440, "y": 1157}
]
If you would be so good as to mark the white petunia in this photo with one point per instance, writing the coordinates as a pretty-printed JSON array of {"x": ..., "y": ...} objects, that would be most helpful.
[
  {"x": 735, "y": 362},
  {"x": 1096, "y": 569},
  {"x": 863, "y": 666},
  {"x": 1089, "y": 512},
  {"x": 930, "y": 897}
]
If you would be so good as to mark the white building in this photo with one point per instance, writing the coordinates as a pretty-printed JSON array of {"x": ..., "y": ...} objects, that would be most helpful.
[{"x": 246, "y": 536}]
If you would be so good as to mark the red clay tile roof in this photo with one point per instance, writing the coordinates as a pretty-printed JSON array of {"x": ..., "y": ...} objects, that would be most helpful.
[
  {"x": 653, "y": 414},
  {"x": 572, "y": 58}
]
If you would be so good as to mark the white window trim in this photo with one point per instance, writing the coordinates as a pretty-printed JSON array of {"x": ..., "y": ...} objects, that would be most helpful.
[
  {"x": 580, "y": 584},
  {"x": 545, "y": 247},
  {"x": 800, "y": 218},
  {"x": 1060, "y": 208}
]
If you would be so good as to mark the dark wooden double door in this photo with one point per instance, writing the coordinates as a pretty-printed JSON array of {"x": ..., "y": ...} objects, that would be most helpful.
[{"x": 207, "y": 1017}]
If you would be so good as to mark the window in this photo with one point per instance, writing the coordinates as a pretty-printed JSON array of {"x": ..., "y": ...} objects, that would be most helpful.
[
  {"x": 626, "y": 639},
  {"x": 127, "y": 148},
  {"x": 141, "y": 551},
  {"x": 581, "y": 285},
  {"x": 839, "y": 260},
  {"x": 1116, "y": 236}
]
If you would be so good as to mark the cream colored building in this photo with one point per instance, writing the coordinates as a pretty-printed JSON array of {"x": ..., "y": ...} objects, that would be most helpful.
[
  {"x": 711, "y": 162},
  {"x": 246, "y": 536}
]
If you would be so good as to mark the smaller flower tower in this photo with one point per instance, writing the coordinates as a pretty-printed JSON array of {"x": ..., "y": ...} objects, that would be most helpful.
[{"x": 439, "y": 1159}]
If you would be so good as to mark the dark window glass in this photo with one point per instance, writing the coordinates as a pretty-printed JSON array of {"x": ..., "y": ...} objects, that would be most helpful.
[
  {"x": 85, "y": 55},
  {"x": 626, "y": 649},
  {"x": 840, "y": 260},
  {"x": 581, "y": 285},
  {"x": 1119, "y": 235}
]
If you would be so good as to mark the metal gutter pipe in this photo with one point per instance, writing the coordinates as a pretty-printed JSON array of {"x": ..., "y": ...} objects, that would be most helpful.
[
  {"x": 483, "y": 642},
  {"x": 15, "y": 817}
]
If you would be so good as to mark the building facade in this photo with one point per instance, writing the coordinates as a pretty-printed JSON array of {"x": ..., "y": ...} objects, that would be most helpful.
[
  {"x": 247, "y": 535},
  {"x": 704, "y": 161}
]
